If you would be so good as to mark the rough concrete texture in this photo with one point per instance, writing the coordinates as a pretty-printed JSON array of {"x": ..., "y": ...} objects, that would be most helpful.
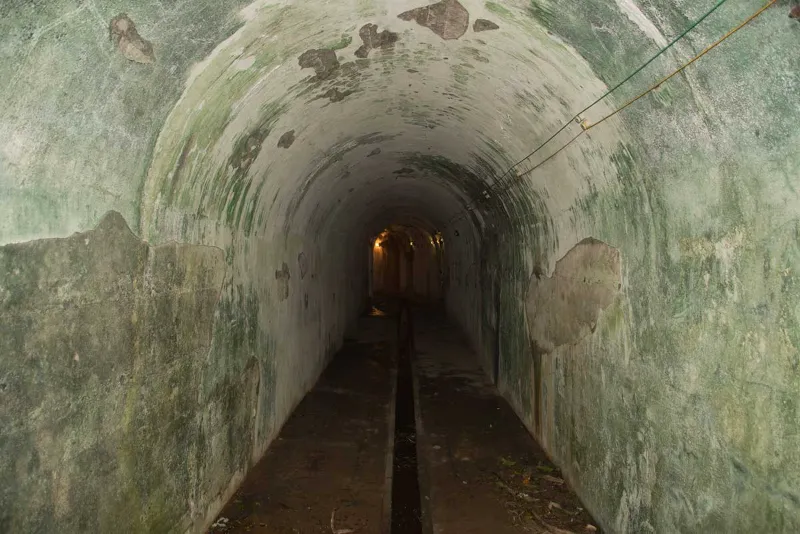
[
  {"x": 104, "y": 344},
  {"x": 372, "y": 39},
  {"x": 678, "y": 414}
]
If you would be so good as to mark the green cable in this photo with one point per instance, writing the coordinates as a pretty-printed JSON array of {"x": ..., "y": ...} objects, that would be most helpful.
[
  {"x": 631, "y": 75},
  {"x": 607, "y": 93}
]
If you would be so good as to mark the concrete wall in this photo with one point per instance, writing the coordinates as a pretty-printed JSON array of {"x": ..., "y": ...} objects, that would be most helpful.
[
  {"x": 113, "y": 410},
  {"x": 679, "y": 412},
  {"x": 267, "y": 143}
]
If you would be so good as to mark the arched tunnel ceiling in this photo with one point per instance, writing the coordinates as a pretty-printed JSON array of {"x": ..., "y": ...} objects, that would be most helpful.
[
  {"x": 307, "y": 115},
  {"x": 218, "y": 75},
  {"x": 271, "y": 131}
]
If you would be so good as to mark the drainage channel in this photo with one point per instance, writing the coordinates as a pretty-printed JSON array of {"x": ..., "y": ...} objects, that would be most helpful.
[{"x": 406, "y": 508}]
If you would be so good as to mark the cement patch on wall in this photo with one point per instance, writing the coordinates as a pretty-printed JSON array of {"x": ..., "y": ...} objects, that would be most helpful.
[{"x": 563, "y": 309}]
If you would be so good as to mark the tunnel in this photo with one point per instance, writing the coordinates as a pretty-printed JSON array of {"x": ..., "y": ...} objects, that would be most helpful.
[{"x": 601, "y": 197}]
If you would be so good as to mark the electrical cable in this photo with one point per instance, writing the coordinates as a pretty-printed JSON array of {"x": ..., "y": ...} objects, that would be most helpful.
[
  {"x": 680, "y": 36},
  {"x": 621, "y": 83},
  {"x": 585, "y": 126}
]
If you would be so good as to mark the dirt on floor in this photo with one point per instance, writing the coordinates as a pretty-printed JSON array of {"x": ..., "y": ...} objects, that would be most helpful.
[
  {"x": 330, "y": 470},
  {"x": 326, "y": 472},
  {"x": 482, "y": 469}
]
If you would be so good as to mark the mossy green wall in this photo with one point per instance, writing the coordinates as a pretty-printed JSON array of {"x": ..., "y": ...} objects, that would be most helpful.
[
  {"x": 680, "y": 412},
  {"x": 677, "y": 414},
  {"x": 110, "y": 411},
  {"x": 78, "y": 119}
]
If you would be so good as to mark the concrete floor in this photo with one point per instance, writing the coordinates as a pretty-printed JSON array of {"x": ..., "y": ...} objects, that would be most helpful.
[{"x": 330, "y": 470}]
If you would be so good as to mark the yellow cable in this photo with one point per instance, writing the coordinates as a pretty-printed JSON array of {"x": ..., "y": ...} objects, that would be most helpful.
[
  {"x": 685, "y": 65},
  {"x": 586, "y": 126}
]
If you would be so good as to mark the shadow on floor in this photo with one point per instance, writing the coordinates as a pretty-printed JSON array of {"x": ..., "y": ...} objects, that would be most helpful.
[{"x": 330, "y": 469}]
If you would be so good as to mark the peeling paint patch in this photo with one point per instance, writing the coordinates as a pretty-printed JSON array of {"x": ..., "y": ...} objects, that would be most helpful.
[
  {"x": 323, "y": 61},
  {"x": 482, "y": 25},
  {"x": 563, "y": 309},
  {"x": 246, "y": 153},
  {"x": 84, "y": 322},
  {"x": 286, "y": 139},
  {"x": 123, "y": 34},
  {"x": 448, "y": 19},
  {"x": 372, "y": 39}
]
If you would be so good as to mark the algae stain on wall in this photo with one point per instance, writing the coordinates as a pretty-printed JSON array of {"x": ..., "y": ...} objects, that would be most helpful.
[
  {"x": 68, "y": 89},
  {"x": 104, "y": 344}
]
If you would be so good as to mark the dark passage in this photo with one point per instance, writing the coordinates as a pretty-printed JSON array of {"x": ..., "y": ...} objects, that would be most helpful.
[
  {"x": 458, "y": 462},
  {"x": 406, "y": 513},
  {"x": 327, "y": 470}
]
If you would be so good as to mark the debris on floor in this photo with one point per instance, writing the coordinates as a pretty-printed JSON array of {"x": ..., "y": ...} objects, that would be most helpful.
[
  {"x": 221, "y": 523},
  {"x": 537, "y": 500},
  {"x": 482, "y": 472}
]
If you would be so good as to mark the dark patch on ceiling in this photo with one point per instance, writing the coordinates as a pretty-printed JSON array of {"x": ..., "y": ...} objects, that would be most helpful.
[
  {"x": 375, "y": 152},
  {"x": 448, "y": 19},
  {"x": 482, "y": 25},
  {"x": 469, "y": 182},
  {"x": 126, "y": 38},
  {"x": 404, "y": 170},
  {"x": 372, "y": 39},
  {"x": 337, "y": 80},
  {"x": 286, "y": 139},
  {"x": 323, "y": 61}
]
